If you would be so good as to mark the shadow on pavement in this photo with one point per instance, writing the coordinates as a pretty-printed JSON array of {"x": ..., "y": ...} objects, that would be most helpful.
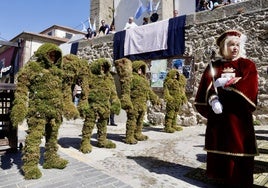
[
  {"x": 163, "y": 167},
  {"x": 9, "y": 159},
  {"x": 67, "y": 142}
]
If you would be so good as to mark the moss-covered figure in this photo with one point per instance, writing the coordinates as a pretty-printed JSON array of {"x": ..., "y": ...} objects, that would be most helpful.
[
  {"x": 140, "y": 93},
  {"x": 74, "y": 69},
  {"x": 102, "y": 99},
  {"x": 124, "y": 70},
  {"x": 175, "y": 97},
  {"x": 39, "y": 99}
]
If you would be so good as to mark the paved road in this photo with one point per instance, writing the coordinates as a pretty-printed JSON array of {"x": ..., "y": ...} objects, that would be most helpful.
[{"x": 160, "y": 162}]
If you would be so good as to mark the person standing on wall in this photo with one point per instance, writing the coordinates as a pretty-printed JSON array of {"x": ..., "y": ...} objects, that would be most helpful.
[
  {"x": 90, "y": 34},
  {"x": 228, "y": 104},
  {"x": 104, "y": 28},
  {"x": 175, "y": 13},
  {"x": 130, "y": 23}
]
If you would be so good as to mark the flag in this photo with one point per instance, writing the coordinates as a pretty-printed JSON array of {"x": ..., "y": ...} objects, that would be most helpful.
[
  {"x": 156, "y": 6},
  {"x": 94, "y": 25},
  {"x": 84, "y": 27},
  {"x": 141, "y": 9},
  {"x": 150, "y": 6},
  {"x": 89, "y": 24}
]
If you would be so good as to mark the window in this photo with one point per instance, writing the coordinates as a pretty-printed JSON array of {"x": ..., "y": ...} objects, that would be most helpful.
[{"x": 68, "y": 35}]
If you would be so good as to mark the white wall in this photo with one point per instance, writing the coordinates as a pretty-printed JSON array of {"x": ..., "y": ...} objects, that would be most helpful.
[
  {"x": 124, "y": 9},
  {"x": 29, "y": 49},
  {"x": 184, "y": 6},
  {"x": 59, "y": 33}
]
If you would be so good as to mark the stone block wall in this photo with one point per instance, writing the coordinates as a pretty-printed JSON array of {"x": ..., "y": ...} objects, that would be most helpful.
[{"x": 202, "y": 30}]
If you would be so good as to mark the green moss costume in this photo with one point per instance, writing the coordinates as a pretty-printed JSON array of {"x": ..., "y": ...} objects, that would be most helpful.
[
  {"x": 124, "y": 70},
  {"x": 140, "y": 92},
  {"x": 175, "y": 97},
  {"x": 74, "y": 68},
  {"x": 102, "y": 99},
  {"x": 39, "y": 99}
]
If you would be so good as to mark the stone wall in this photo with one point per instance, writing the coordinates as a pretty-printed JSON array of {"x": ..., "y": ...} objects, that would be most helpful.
[{"x": 202, "y": 29}]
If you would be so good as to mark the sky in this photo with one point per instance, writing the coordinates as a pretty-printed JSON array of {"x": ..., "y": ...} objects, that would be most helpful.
[{"x": 17, "y": 16}]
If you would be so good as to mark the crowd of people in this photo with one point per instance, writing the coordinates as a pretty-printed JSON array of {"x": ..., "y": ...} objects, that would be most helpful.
[
  {"x": 202, "y": 5},
  {"x": 104, "y": 29}
]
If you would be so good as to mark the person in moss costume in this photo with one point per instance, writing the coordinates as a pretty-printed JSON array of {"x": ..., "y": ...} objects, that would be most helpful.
[
  {"x": 102, "y": 99},
  {"x": 39, "y": 99},
  {"x": 124, "y": 70},
  {"x": 140, "y": 93},
  {"x": 175, "y": 97},
  {"x": 74, "y": 69}
]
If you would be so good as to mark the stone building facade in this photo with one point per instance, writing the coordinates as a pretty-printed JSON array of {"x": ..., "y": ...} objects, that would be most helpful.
[{"x": 201, "y": 31}]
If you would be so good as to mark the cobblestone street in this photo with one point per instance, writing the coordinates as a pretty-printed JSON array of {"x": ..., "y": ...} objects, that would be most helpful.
[{"x": 162, "y": 161}]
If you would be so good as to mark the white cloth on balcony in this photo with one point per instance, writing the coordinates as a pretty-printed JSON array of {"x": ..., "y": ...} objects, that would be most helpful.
[{"x": 146, "y": 38}]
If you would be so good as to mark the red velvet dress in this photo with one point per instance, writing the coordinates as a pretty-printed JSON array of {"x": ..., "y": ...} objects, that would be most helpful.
[{"x": 230, "y": 137}]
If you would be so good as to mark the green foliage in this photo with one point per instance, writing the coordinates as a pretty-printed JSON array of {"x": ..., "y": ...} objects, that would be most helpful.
[
  {"x": 43, "y": 96},
  {"x": 124, "y": 70},
  {"x": 74, "y": 68},
  {"x": 174, "y": 89},
  {"x": 42, "y": 55}
]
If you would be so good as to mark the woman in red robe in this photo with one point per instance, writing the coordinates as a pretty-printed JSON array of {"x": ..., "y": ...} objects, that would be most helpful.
[{"x": 227, "y": 97}]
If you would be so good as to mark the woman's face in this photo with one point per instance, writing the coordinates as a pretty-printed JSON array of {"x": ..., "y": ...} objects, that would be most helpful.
[{"x": 233, "y": 47}]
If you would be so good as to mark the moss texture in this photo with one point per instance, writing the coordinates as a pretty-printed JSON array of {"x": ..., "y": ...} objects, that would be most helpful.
[
  {"x": 124, "y": 70},
  {"x": 41, "y": 97},
  {"x": 102, "y": 100},
  {"x": 140, "y": 93},
  {"x": 175, "y": 97},
  {"x": 74, "y": 68}
]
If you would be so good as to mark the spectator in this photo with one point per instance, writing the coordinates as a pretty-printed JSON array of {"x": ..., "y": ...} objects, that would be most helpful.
[
  {"x": 226, "y": 2},
  {"x": 104, "y": 28},
  {"x": 77, "y": 92},
  {"x": 202, "y": 5},
  {"x": 111, "y": 120},
  {"x": 175, "y": 13},
  {"x": 90, "y": 34},
  {"x": 212, "y": 4},
  {"x": 112, "y": 30},
  {"x": 130, "y": 23},
  {"x": 145, "y": 21}
]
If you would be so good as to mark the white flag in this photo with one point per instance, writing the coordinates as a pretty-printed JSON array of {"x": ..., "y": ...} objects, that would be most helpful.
[{"x": 156, "y": 6}]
